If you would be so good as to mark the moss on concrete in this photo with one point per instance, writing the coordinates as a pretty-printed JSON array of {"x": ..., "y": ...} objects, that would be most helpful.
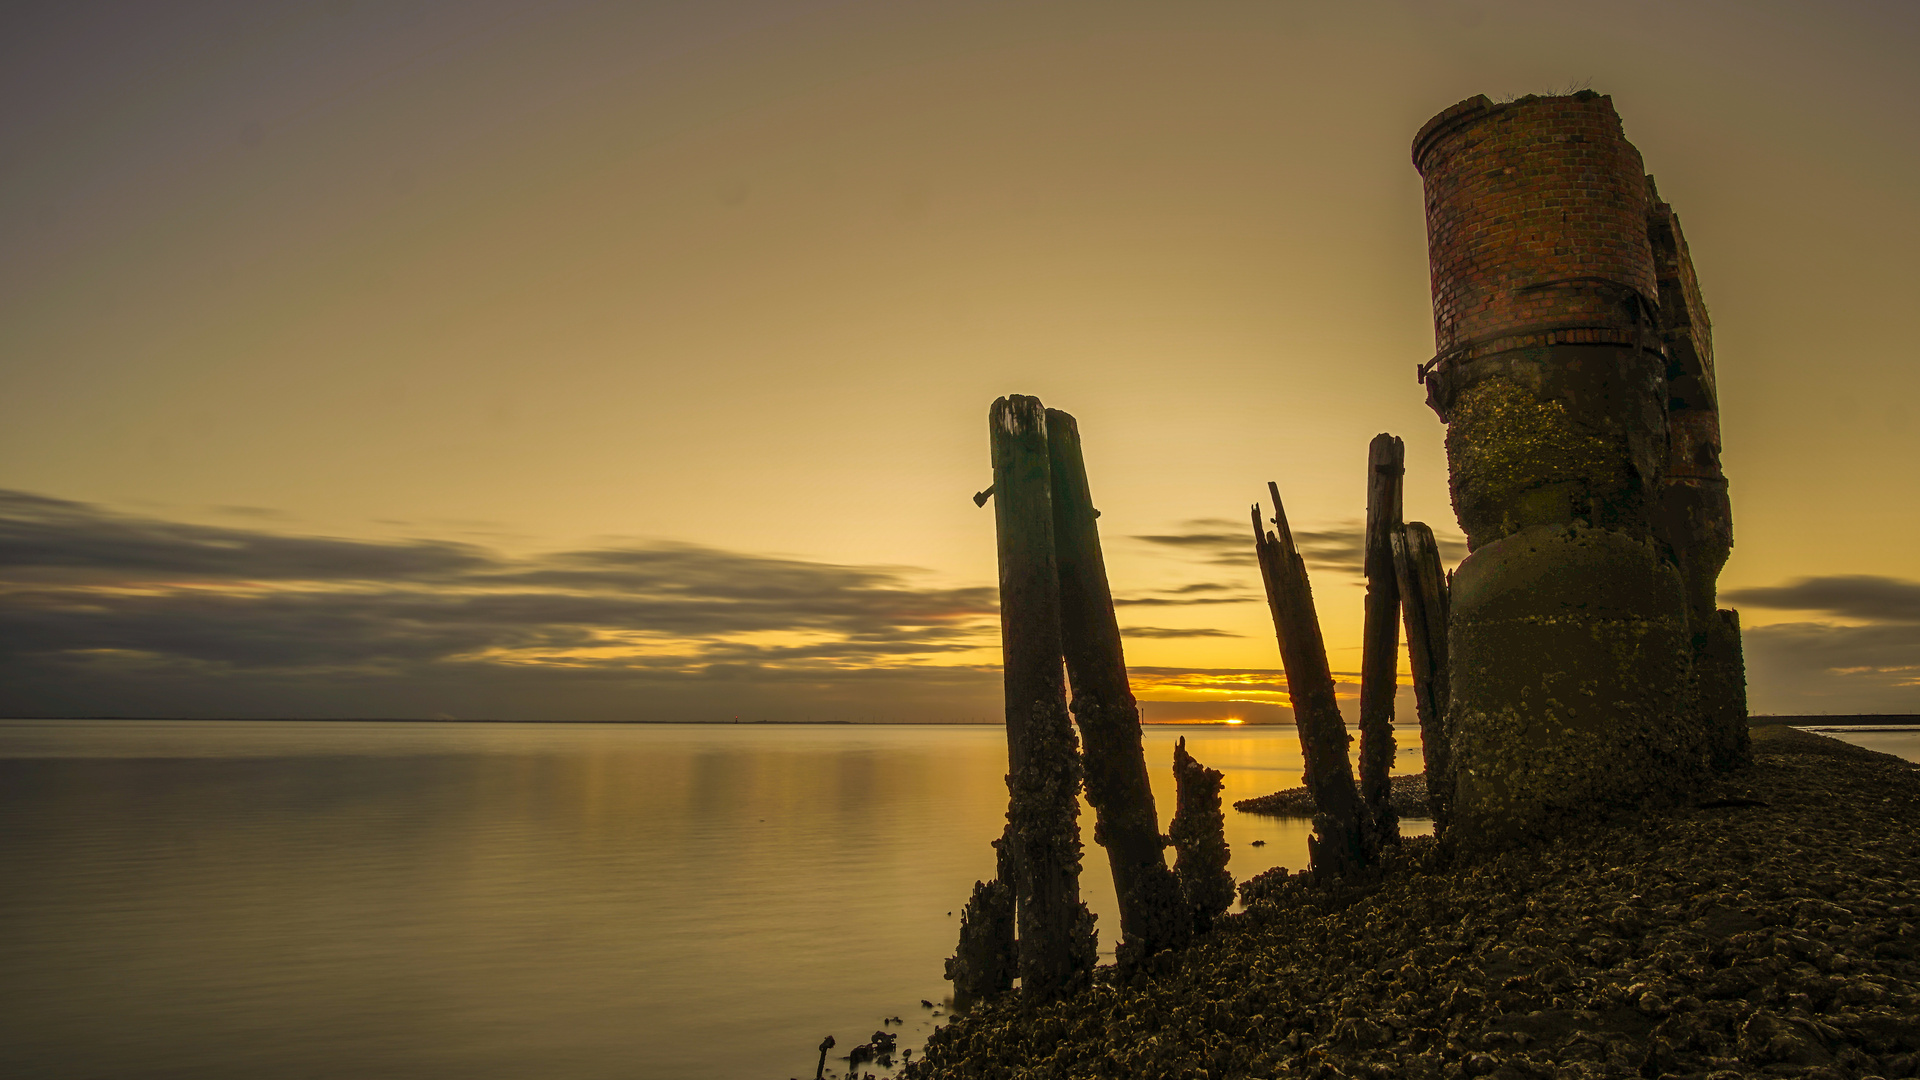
[{"x": 1518, "y": 460}]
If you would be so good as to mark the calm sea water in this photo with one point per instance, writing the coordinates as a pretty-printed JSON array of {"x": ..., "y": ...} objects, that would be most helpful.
[
  {"x": 213, "y": 900},
  {"x": 224, "y": 899},
  {"x": 1899, "y": 740}
]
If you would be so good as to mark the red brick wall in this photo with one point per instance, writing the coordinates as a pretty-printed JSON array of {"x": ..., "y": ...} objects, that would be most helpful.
[{"x": 1539, "y": 190}]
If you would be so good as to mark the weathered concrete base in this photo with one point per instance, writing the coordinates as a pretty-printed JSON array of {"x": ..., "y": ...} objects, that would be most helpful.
[
  {"x": 1695, "y": 521},
  {"x": 1570, "y": 662},
  {"x": 1720, "y": 670}
]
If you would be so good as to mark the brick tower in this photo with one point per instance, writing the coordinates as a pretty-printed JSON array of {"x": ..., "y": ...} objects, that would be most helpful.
[
  {"x": 1693, "y": 515},
  {"x": 1591, "y": 519}
]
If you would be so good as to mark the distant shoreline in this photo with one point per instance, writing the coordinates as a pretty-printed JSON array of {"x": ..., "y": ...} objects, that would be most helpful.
[{"x": 1836, "y": 720}]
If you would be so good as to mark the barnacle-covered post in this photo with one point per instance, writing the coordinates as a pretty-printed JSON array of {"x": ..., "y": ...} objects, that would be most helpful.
[
  {"x": 1152, "y": 915},
  {"x": 1056, "y": 942},
  {"x": 1380, "y": 637},
  {"x": 1199, "y": 834},
  {"x": 1340, "y": 844},
  {"x": 1423, "y": 601},
  {"x": 1570, "y": 657},
  {"x": 984, "y": 965}
]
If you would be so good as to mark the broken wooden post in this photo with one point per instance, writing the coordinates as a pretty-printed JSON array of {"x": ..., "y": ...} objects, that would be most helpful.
[
  {"x": 1423, "y": 599},
  {"x": 1380, "y": 653},
  {"x": 1199, "y": 834},
  {"x": 1056, "y": 942},
  {"x": 1339, "y": 845},
  {"x": 1152, "y": 915},
  {"x": 983, "y": 966}
]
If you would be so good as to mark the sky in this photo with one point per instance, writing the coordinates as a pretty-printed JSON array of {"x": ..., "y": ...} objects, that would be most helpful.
[{"x": 572, "y": 360}]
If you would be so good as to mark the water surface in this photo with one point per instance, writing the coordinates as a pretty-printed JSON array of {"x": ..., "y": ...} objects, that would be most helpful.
[
  {"x": 295, "y": 899},
  {"x": 1900, "y": 740}
]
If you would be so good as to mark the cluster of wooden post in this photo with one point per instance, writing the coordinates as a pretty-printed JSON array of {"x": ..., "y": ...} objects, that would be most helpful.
[
  {"x": 1354, "y": 823},
  {"x": 1057, "y": 626}
]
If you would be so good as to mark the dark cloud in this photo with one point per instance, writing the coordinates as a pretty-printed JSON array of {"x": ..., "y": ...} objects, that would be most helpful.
[
  {"x": 1251, "y": 682},
  {"x": 89, "y": 592},
  {"x": 1341, "y": 548},
  {"x": 1816, "y": 667},
  {"x": 1178, "y": 601},
  {"x": 1215, "y": 541},
  {"x": 1186, "y": 595},
  {"x": 1819, "y": 667},
  {"x": 1849, "y": 596},
  {"x": 1452, "y": 545},
  {"x": 54, "y": 539},
  {"x": 1174, "y": 632}
]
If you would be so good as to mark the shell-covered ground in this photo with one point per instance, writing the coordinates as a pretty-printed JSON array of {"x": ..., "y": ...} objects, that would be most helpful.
[
  {"x": 1766, "y": 929},
  {"x": 1406, "y": 794}
]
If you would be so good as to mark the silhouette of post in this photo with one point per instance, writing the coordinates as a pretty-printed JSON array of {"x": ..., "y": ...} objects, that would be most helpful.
[
  {"x": 983, "y": 966},
  {"x": 1339, "y": 844},
  {"x": 1056, "y": 943},
  {"x": 1200, "y": 838},
  {"x": 1152, "y": 915},
  {"x": 1423, "y": 599},
  {"x": 1380, "y": 653}
]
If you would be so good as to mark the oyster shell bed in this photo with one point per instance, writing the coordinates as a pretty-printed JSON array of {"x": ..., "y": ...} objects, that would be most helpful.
[
  {"x": 1767, "y": 929},
  {"x": 1406, "y": 794}
]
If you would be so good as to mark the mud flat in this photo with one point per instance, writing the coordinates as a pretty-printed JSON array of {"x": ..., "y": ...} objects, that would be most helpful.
[{"x": 1765, "y": 929}]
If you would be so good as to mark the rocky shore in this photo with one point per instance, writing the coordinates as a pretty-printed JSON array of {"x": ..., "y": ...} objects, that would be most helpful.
[
  {"x": 1765, "y": 929},
  {"x": 1406, "y": 794}
]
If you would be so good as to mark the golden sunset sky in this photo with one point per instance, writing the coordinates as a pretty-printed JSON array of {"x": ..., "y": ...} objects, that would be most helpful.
[{"x": 568, "y": 360}]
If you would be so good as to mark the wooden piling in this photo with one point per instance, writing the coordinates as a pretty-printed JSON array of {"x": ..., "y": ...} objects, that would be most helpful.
[
  {"x": 1200, "y": 838},
  {"x": 1380, "y": 654},
  {"x": 983, "y": 966},
  {"x": 1340, "y": 844},
  {"x": 1056, "y": 943},
  {"x": 1423, "y": 599},
  {"x": 1152, "y": 916}
]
